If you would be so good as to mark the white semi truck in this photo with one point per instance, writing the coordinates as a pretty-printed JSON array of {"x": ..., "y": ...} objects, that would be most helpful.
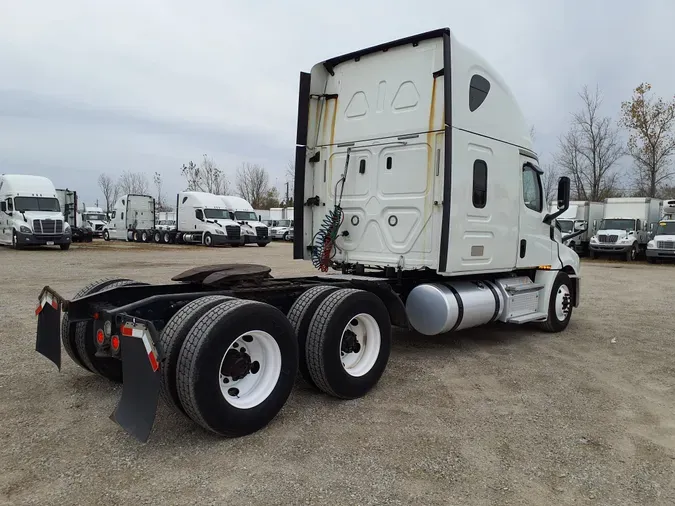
[
  {"x": 30, "y": 214},
  {"x": 625, "y": 227},
  {"x": 70, "y": 207},
  {"x": 201, "y": 218},
  {"x": 389, "y": 140},
  {"x": 95, "y": 218},
  {"x": 662, "y": 244},
  {"x": 253, "y": 231},
  {"x": 579, "y": 223}
]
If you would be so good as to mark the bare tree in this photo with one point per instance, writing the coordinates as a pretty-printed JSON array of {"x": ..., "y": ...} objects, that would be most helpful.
[
  {"x": 253, "y": 184},
  {"x": 590, "y": 149},
  {"x": 133, "y": 182},
  {"x": 206, "y": 177},
  {"x": 651, "y": 125},
  {"x": 550, "y": 182},
  {"x": 160, "y": 200},
  {"x": 109, "y": 189},
  {"x": 290, "y": 181}
]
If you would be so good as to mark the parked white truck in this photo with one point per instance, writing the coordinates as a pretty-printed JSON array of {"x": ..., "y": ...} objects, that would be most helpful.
[
  {"x": 253, "y": 231},
  {"x": 30, "y": 214},
  {"x": 95, "y": 218},
  {"x": 201, "y": 218},
  {"x": 70, "y": 207},
  {"x": 415, "y": 181},
  {"x": 580, "y": 221},
  {"x": 625, "y": 227},
  {"x": 662, "y": 244}
]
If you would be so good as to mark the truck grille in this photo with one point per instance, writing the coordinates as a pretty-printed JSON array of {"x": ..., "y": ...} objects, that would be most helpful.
[
  {"x": 608, "y": 238},
  {"x": 665, "y": 244},
  {"x": 99, "y": 227},
  {"x": 233, "y": 231},
  {"x": 48, "y": 227},
  {"x": 261, "y": 232}
]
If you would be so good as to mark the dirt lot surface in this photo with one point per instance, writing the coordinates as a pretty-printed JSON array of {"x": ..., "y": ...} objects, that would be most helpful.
[{"x": 499, "y": 415}]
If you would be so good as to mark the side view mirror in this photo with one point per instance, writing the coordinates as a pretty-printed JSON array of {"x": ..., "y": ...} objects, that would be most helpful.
[
  {"x": 564, "y": 186},
  {"x": 580, "y": 226},
  {"x": 3, "y": 207}
]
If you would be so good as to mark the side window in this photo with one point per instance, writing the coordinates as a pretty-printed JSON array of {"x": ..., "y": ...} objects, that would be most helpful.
[
  {"x": 199, "y": 214},
  {"x": 112, "y": 216},
  {"x": 479, "y": 184},
  {"x": 638, "y": 227},
  {"x": 479, "y": 87},
  {"x": 10, "y": 205},
  {"x": 532, "y": 188}
]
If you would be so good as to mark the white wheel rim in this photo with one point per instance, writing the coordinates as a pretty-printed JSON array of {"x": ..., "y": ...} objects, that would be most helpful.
[
  {"x": 208, "y": 240},
  {"x": 366, "y": 332},
  {"x": 240, "y": 385},
  {"x": 562, "y": 302}
]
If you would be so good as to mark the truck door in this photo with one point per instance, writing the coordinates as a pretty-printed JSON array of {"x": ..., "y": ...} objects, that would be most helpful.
[{"x": 535, "y": 246}]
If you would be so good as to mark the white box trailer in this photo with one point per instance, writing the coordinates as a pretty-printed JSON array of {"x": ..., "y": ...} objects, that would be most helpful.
[
  {"x": 626, "y": 225},
  {"x": 662, "y": 243},
  {"x": 30, "y": 214},
  {"x": 70, "y": 207},
  {"x": 579, "y": 223},
  {"x": 415, "y": 183}
]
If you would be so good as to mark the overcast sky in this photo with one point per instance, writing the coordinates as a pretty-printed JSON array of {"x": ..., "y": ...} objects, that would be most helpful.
[{"x": 147, "y": 85}]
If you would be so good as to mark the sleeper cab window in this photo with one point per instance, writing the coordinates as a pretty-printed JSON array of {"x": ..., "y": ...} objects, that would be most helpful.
[
  {"x": 532, "y": 188},
  {"x": 479, "y": 184},
  {"x": 479, "y": 87}
]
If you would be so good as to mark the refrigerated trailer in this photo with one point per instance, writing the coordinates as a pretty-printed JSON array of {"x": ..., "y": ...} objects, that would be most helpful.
[
  {"x": 70, "y": 207},
  {"x": 389, "y": 139}
]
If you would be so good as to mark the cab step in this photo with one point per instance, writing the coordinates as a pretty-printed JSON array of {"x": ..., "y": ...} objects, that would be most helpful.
[{"x": 526, "y": 318}]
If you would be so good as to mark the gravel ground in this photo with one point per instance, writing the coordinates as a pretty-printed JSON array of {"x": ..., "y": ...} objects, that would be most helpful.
[{"x": 497, "y": 415}]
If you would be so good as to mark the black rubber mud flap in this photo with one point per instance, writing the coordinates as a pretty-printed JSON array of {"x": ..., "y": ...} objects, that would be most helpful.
[
  {"x": 137, "y": 408},
  {"x": 48, "y": 339}
]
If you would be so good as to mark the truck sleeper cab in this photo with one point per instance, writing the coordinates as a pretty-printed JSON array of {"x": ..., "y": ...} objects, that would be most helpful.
[
  {"x": 382, "y": 168},
  {"x": 30, "y": 214}
]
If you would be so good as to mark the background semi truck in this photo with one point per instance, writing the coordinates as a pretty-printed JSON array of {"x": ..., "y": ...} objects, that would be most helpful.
[
  {"x": 30, "y": 214},
  {"x": 662, "y": 243},
  {"x": 625, "y": 227},
  {"x": 95, "y": 218},
  {"x": 70, "y": 207},
  {"x": 241, "y": 211},
  {"x": 201, "y": 218},
  {"x": 389, "y": 139},
  {"x": 582, "y": 215}
]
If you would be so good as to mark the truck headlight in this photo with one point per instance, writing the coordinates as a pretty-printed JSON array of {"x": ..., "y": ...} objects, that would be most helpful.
[
  {"x": 594, "y": 240},
  {"x": 627, "y": 239},
  {"x": 220, "y": 232},
  {"x": 25, "y": 230},
  {"x": 651, "y": 245}
]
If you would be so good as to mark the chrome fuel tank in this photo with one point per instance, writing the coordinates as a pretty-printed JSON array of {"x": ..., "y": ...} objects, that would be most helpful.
[{"x": 436, "y": 308}]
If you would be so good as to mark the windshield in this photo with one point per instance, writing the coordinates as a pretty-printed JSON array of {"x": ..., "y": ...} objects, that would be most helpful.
[
  {"x": 23, "y": 204},
  {"x": 566, "y": 225},
  {"x": 216, "y": 214},
  {"x": 94, "y": 217},
  {"x": 245, "y": 215},
  {"x": 617, "y": 225},
  {"x": 665, "y": 228},
  {"x": 284, "y": 223}
]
